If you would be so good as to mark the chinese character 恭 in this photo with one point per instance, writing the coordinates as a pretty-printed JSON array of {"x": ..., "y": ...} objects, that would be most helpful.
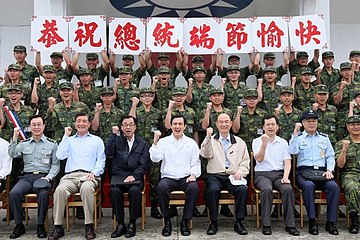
[
  {"x": 271, "y": 36},
  {"x": 126, "y": 35},
  {"x": 49, "y": 34}
]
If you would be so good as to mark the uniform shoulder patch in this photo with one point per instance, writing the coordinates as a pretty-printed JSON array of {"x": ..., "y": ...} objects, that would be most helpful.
[
  {"x": 323, "y": 134},
  {"x": 26, "y": 140},
  {"x": 50, "y": 140}
]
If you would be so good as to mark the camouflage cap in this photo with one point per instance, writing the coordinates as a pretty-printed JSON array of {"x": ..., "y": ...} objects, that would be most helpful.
[
  {"x": 164, "y": 69},
  {"x": 83, "y": 71},
  {"x": 302, "y": 54},
  {"x": 345, "y": 65},
  {"x": 216, "y": 90},
  {"x": 48, "y": 68},
  {"x": 327, "y": 54},
  {"x": 107, "y": 90},
  {"x": 353, "y": 119},
  {"x": 287, "y": 89},
  {"x": 233, "y": 67},
  {"x": 66, "y": 85},
  {"x": 56, "y": 54},
  {"x": 251, "y": 93},
  {"x": 308, "y": 114},
  {"x": 199, "y": 68},
  {"x": 269, "y": 69},
  {"x": 354, "y": 52},
  {"x": 321, "y": 88},
  {"x": 14, "y": 87},
  {"x": 178, "y": 91},
  {"x": 128, "y": 56},
  {"x": 92, "y": 56},
  {"x": 269, "y": 55},
  {"x": 356, "y": 92},
  {"x": 19, "y": 48},
  {"x": 233, "y": 56},
  {"x": 197, "y": 59},
  {"x": 306, "y": 70},
  {"x": 163, "y": 55},
  {"x": 14, "y": 66},
  {"x": 147, "y": 90},
  {"x": 125, "y": 70}
]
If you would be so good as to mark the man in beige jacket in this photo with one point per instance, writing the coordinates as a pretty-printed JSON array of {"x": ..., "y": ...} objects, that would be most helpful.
[{"x": 228, "y": 165}]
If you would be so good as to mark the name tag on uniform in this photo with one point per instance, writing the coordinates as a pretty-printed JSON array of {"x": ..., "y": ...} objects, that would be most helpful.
[
  {"x": 98, "y": 83},
  {"x": 332, "y": 128},
  {"x": 44, "y": 161},
  {"x": 260, "y": 131},
  {"x": 153, "y": 129},
  {"x": 190, "y": 128}
]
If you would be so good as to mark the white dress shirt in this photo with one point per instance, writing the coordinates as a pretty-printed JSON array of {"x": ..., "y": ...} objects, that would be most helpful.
[{"x": 5, "y": 159}]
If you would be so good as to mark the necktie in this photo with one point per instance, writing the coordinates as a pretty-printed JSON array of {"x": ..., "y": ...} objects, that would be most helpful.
[{"x": 226, "y": 144}]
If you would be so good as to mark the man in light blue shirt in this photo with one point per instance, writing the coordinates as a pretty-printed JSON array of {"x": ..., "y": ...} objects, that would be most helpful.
[
  {"x": 85, "y": 163},
  {"x": 315, "y": 154}
]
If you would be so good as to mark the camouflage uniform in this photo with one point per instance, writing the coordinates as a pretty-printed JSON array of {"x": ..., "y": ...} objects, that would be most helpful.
[
  {"x": 303, "y": 97},
  {"x": 98, "y": 74},
  {"x": 287, "y": 122},
  {"x": 189, "y": 74},
  {"x": 62, "y": 73},
  {"x": 234, "y": 97},
  {"x": 244, "y": 73},
  {"x": 162, "y": 97},
  {"x": 213, "y": 118},
  {"x": 90, "y": 98},
  {"x": 191, "y": 119},
  {"x": 123, "y": 97},
  {"x": 44, "y": 93},
  {"x": 271, "y": 97},
  {"x": 136, "y": 77},
  {"x": 29, "y": 73},
  {"x": 295, "y": 68},
  {"x": 25, "y": 88},
  {"x": 174, "y": 72}
]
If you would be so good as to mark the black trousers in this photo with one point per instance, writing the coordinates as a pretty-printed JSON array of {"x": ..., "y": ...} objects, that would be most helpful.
[{"x": 167, "y": 185}]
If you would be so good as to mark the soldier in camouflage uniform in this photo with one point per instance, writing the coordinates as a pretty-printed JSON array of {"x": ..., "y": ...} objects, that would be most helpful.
[
  {"x": 125, "y": 90},
  {"x": 245, "y": 72},
  {"x": 347, "y": 153},
  {"x": 128, "y": 61},
  {"x": 162, "y": 87},
  {"x": 269, "y": 61},
  {"x": 270, "y": 90},
  {"x": 149, "y": 119},
  {"x": 354, "y": 58},
  {"x": 301, "y": 61},
  {"x": 84, "y": 91},
  {"x": 164, "y": 61},
  {"x": 354, "y": 105},
  {"x": 328, "y": 75},
  {"x": 198, "y": 61},
  {"x": 304, "y": 92},
  {"x": 92, "y": 60}
]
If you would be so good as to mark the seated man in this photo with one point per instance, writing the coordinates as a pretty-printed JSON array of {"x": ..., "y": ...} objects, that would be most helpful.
[
  {"x": 5, "y": 163},
  {"x": 179, "y": 169},
  {"x": 315, "y": 156},
  {"x": 228, "y": 159},
  {"x": 85, "y": 164},
  {"x": 273, "y": 164},
  {"x": 40, "y": 167},
  {"x": 348, "y": 159},
  {"x": 130, "y": 157}
]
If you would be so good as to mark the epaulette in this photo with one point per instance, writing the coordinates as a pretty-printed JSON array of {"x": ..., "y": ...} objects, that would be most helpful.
[
  {"x": 323, "y": 134},
  {"x": 26, "y": 140},
  {"x": 50, "y": 140}
]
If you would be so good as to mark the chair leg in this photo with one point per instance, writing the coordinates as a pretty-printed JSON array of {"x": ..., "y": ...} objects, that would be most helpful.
[
  {"x": 143, "y": 214},
  {"x": 67, "y": 219},
  {"x": 95, "y": 213},
  {"x": 257, "y": 212},
  {"x": 301, "y": 211},
  {"x": 190, "y": 224},
  {"x": 73, "y": 215},
  {"x": 26, "y": 215},
  {"x": 278, "y": 211},
  {"x": 114, "y": 222},
  {"x": 46, "y": 222}
]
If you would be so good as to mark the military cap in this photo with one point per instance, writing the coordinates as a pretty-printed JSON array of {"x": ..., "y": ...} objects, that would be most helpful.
[
  {"x": 301, "y": 54},
  {"x": 66, "y": 85},
  {"x": 107, "y": 90},
  {"x": 178, "y": 91},
  {"x": 327, "y": 54},
  {"x": 269, "y": 55},
  {"x": 128, "y": 56},
  {"x": 163, "y": 55},
  {"x": 92, "y": 56},
  {"x": 19, "y": 48},
  {"x": 125, "y": 70},
  {"x": 287, "y": 89},
  {"x": 356, "y": 92},
  {"x": 353, "y": 119},
  {"x": 345, "y": 65},
  {"x": 48, "y": 68},
  {"x": 14, "y": 66},
  {"x": 56, "y": 54},
  {"x": 269, "y": 69},
  {"x": 321, "y": 88},
  {"x": 233, "y": 67},
  {"x": 147, "y": 90},
  {"x": 164, "y": 69},
  {"x": 83, "y": 71},
  {"x": 14, "y": 87},
  {"x": 216, "y": 90},
  {"x": 354, "y": 52},
  {"x": 306, "y": 70},
  {"x": 308, "y": 114},
  {"x": 251, "y": 93},
  {"x": 234, "y": 56},
  {"x": 197, "y": 59},
  {"x": 199, "y": 68}
]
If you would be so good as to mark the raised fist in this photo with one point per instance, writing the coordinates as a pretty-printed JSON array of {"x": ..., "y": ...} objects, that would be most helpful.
[
  {"x": 315, "y": 106},
  {"x": 135, "y": 101},
  {"x": 346, "y": 144},
  {"x": 208, "y": 105},
  {"x": 98, "y": 107},
  {"x": 239, "y": 109},
  {"x": 68, "y": 131},
  {"x": 157, "y": 135},
  {"x": 37, "y": 81},
  {"x": 51, "y": 101},
  {"x": 77, "y": 85},
  {"x": 155, "y": 79},
  {"x": 209, "y": 132},
  {"x": 190, "y": 81},
  {"x": 265, "y": 138},
  {"x": 2, "y": 101},
  {"x": 115, "y": 130},
  {"x": 171, "y": 104}
]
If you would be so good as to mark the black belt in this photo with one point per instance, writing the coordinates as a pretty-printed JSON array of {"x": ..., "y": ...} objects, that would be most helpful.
[
  {"x": 311, "y": 167},
  {"x": 36, "y": 173},
  {"x": 80, "y": 170}
]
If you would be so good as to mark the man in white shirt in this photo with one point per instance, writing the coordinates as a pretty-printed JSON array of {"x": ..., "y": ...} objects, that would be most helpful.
[
  {"x": 273, "y": 164},
  {"x": 5, "y": 163},
  {"x": 179, "y": 169}
]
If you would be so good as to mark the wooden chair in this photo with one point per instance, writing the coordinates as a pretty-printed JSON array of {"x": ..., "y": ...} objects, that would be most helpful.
[
  {"x": 177, "y": 198},
  {"x": 342, "y": 196},
  {"x": 4, "y": 197},
  {"x": 75, "y": 201},
  {"x": 30, "y": 201},
  {"x": 255, "y": 199}
]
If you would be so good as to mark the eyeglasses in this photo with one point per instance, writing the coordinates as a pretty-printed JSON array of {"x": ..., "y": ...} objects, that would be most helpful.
[
  {"x": 147, "y": 96},
  {"x": 128, "y": 125},
  {"x": 14, "y": 93},
  {"x": 36, "y": 125}
]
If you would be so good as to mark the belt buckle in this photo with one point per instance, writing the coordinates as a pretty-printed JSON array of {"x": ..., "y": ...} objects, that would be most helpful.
[
  {"x": 316, "y": 167},
  {"x": 36, "y": 173}
]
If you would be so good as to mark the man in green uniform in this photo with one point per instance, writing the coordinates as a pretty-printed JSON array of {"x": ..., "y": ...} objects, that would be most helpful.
[
  {"x": 28, "y": 71},
  {"x": 245, "y": 72},
  {"x": 164, "y": 61},
  {"x": 328, "y": 75},
  {"x": 128, "y": 61},
  {"x": 198, "y": 61},
  {"x": 301, "y": 61},
  {"x": 84, "y": 91},
  {"x": 162, "y": 87},
  {"x": 304, "y": 91},
  {"x": 270, "y": 90},
  {"x": 269, "y": 61},
  {"x": 354, "y": 58}
]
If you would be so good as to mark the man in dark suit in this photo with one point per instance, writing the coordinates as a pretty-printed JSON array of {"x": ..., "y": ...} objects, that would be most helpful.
[{"x": 130, "y": 159}]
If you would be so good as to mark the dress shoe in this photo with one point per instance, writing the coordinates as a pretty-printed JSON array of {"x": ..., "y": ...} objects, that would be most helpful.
[
  {"x": 89, "y": 232},
  {"x": 41, "y": 233},
  {"x": 166, "y": 232},
  {"x": 331, "y": 228},
  {"x": 57, "y": 233},
  {"x": 119, "y": 231},
  {"x": 196, "y": 213},
  {"x": 266, "y": 230},
  {"x": 80, "y": 213},
  {"x": 205, "y": 212},
  {"x": 131, "y": 231},
  {"x": 184, "y": 229},
  {"x": 239, "y": 228},
  {"x": 313, "y": 227},
  {"x": 225, "y": 211},
  {"x": 18, "y": 231},
  {"x": 155, "y": 213},
  {"x": 354, "y": 227},
  {"x": 173, "y": 211},
  {"x": 212, "y": 230},
  {"x": 292, "y": 231}
]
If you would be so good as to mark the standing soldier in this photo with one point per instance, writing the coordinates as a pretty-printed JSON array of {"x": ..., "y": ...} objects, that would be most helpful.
[
  {"x": 270, "y": 90},
  {"x": 301, "y": 61},
  {"x": 328, "y": 75},
  {"x": 164, "y": 61},
  {"x": 128, "y": 61},
  {"x": 269, "y": 61},
  {"x": 354, "y": 58},
  {"x": 354, "y": 105},
  {"x": 198, "y": 61},
  {"x": 84, "y": 91},
  {"x": 304, "y": 91},
  {"x": 163, "y": 89}
]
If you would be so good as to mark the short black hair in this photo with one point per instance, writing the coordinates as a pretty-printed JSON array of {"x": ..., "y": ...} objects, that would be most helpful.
[
  {"x": 80, "y": 114},
  {"x": 269, "y": 116},
  {"x": 178, "y": 116},
  {"x": 128, "y": 117},
  {"x": 36, "y": 116}
]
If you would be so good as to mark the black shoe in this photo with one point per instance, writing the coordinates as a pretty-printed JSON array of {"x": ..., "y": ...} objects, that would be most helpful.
[
  {"x": 225, "y": 211},
  {"x": 80, "y": 213},
  {"x": 331, "y": 228},
  {"x": 354, "y": 227},
  {"x": 131, "y": 230},
  {"x": 41, "y": 233},
  {"x": 18, "y": 231},
  {"x": 212, "y": 230},
  {"x": 205, "y": 212},
  {"x": 57, "y": 233},
  {"x": 341, "y": 214},
  {"x": 166, "y": 232},
  {"x": 266, "y": 230},
  {"x": 119, "y": 231},
  {"x": 184, "y": 229},
  {"x": 155, "y": 213},
  {"x": 296, "y": 213},
  {"x": 313, "y": 228},
  {"x": 173, "y": 211},
  {"x": 196, "y": 213},
  {"x": 239, "y": 228},
  {"x": 292, "y": 231}
]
